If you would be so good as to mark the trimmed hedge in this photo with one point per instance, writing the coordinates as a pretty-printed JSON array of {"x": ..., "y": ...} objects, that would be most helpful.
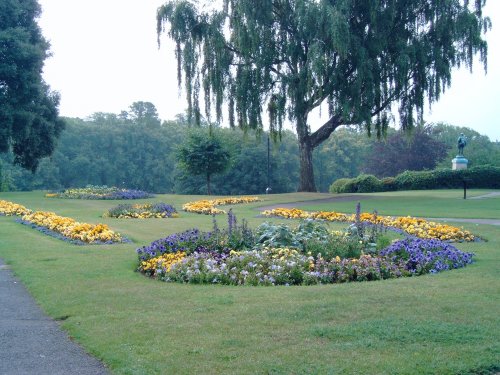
[
  {"x": 485, "y": 177},
  {"x": 364, "y": 183}
]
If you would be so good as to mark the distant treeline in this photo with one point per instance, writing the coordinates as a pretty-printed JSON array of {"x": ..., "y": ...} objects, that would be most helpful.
[{"x": 136, "y": 150}]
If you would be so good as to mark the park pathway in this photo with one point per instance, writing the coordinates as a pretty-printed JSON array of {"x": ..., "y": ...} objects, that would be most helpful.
[
  {"x": 32, "y": 343},
  {"x": 489, "y": 195}
]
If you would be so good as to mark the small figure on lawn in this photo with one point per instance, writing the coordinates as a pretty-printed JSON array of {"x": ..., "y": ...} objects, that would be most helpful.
[{"x": 462, "y": 142}]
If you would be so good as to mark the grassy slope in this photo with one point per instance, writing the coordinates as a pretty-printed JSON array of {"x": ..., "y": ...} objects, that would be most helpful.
[{"x": 446, "y": 323}]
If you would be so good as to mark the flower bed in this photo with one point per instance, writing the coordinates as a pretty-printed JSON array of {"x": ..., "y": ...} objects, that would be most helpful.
[
  {"x": 142, "y": 211},
  {"x": 414, "y": 226},
  {"x": 239, "y": 257},
  {"x": 68, "y": 229},
  {"x": 207, "y": 207},
  {"x": 12, "y": 209},
  {"x": 100, "y": 192}
]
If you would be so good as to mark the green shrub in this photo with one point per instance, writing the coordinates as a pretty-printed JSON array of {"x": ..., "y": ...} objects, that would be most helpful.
[
  {"x": 339, "y": 186},
  {"x": 367, "y": 183},
  {"x": 482, "y": 177},
  {"x": 364, "y": 183},
  {"x": 485, "y": 176},
  {"x": 341, "y": 246},
  {"x": 415, "y": 180},
  {"x": 388, "y": 184}
]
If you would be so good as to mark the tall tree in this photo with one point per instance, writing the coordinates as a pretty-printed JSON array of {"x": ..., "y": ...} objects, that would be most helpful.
[
  {"x": 204, "y": 155},
  {"x": 400, "y": 152},
  {"x": 144, "y": 113},
  {"x": 291, "y": 56},
  {"x": 29, "y": 122}
]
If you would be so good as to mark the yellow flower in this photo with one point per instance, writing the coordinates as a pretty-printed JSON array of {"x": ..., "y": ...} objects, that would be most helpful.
[
  {"x": 70, "y": 228},
  {"x": 12, "y": 209},
  {"x": 208, "y": 206},
  {"x": 415, "y": 226}
]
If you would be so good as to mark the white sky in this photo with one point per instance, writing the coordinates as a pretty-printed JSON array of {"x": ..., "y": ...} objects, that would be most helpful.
[{"x": 105, "y": 57}]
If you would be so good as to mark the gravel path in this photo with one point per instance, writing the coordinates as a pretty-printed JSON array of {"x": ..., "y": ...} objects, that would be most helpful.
[{"x": 31, "y": 342}]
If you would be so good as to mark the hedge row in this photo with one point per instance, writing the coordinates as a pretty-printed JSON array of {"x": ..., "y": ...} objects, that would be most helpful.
[{"x": 485, "y": 177}]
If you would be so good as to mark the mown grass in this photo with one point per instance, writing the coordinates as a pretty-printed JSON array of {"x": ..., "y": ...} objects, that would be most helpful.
[
  {"x": 440, "y": 324},
  {"x": 433, "y": 203}
]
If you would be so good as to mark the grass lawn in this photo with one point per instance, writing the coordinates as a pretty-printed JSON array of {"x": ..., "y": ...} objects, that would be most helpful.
[
  {"x": 433, "y": 203},
  {"x": 435, "y": 324}
]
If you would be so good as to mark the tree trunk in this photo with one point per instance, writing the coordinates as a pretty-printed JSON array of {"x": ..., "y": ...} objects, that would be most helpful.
[
  {"x": 306, "y": 183},
  {"x": 307, "y": 143},
  {"x": 209, "y": 192}
]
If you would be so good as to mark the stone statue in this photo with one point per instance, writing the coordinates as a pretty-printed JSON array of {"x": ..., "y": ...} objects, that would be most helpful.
[{"x": 462, "y": 142}]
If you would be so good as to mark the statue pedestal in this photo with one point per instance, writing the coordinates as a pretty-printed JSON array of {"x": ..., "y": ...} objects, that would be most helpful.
[{"x": 459, "y": 163}]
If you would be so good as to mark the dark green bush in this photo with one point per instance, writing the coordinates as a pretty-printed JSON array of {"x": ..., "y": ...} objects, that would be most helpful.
[
  {"x": 367, "y": 183},
  {"x": 483, "y": 177},
  {"x": 388, "y": 184},
  {"x": 339, "y": 186},
  {"x": 364, "y": 183}
]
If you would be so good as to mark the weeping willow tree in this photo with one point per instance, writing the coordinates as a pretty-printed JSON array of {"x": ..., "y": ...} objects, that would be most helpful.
[{"x": 288, "y": 57}]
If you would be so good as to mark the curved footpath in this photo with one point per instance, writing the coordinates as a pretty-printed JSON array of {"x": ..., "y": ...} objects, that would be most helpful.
[{"x": 31, "y": 342}]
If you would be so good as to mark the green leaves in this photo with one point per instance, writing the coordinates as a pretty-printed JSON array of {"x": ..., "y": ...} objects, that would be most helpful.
[
  {"x": 204, "y": 154},
  {"x": 289, "y": 57},
  {"x": 29, "y": 122}
]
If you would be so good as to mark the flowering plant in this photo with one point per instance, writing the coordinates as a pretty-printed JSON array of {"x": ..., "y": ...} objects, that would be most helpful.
[
  {"x": 414, "y": 226},
  {"x": 208, "y": 257},
  {"x": 142, "y": 211},
  {"x": 207, "y": 207},
  {"x": 12, "y": 209},
  {"x": 100, "y": 192},
  {"x": 68, "y": 228}
]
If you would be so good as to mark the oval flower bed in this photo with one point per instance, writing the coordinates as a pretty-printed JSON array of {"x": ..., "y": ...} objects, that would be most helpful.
[
  {"x": 100, "y": 192},
  {"x": 237, "y": 256},
  {"x": 12, "y": 209},
  {"x": 207, "y": 207},
  {"x": 414, "y": 226},
  {"x": 68, "y": 229},
  {"x": 142, "y": 211}
]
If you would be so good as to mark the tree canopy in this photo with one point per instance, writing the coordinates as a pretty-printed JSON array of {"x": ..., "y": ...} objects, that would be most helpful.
[
  {"x": 406, "y": 152},
  {"x": 289, "y": 57},
  {"x": 29, "y": 122},
  {"x": 204, "y": 154}
]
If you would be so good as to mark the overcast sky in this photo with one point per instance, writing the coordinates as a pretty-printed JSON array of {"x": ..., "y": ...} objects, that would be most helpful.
[{"x": 105, "y": 57}]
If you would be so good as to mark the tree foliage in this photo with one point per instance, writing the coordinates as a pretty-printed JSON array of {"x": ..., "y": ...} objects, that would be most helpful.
[
  {"x": 405, "y": 152},
  {"x": 119, "y": 150},
  {"x": 204, "y": 154},
  {"x": 288, "y": 57},
  {"x": 479, "y": 151},
  {"x": 29, "y": 122}
]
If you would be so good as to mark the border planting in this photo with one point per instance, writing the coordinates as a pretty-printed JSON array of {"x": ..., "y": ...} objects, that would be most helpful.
[
  {"x": 60, "y": 227},
  {"x": 279, "y": 255},
  {"x": 142, "y": 211},
  {"x": 413, "y": 226},
  {"x": 207, "y": 207},
  {"x": 100, "y": 192}
]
